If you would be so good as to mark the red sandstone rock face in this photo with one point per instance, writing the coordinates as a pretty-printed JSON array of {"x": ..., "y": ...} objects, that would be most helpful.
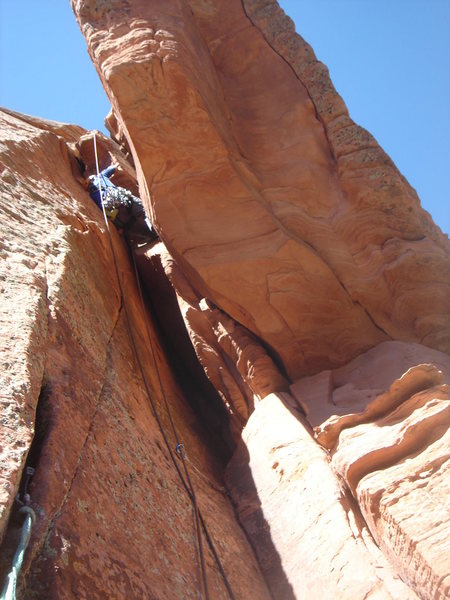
[
  {"x": 113, "y": 518},
  {"x": 389, "y": 443},
  {"x": 379, "y": 476},
  {"x": 290, "y": 244},
  {"x": 234, "y": 360},
  {"x": 284, "y": 214}
]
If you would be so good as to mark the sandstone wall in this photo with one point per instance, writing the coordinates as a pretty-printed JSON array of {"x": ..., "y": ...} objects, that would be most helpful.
[
  {"x": 113, "y": 519},
  {"x": 283, "y": 213},
  {"x": 292, "y": 252},
  {"x": 385, "y": 422},
  {"x": 361, "y": 513}
]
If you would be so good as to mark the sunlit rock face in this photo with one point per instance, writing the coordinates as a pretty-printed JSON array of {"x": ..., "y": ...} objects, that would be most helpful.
[
  {"x": 349, "y": 501},
  {"x": 297, "y": 307},
  {"x": 308, "y": 534},
  {"x": 385, "y": 421},
  {"x": 113, "y": 518},
  {"x": 286, "y": 215}
]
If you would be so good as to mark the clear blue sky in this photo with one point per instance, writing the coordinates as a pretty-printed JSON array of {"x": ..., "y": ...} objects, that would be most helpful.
[{"x": 389, "y": 59}]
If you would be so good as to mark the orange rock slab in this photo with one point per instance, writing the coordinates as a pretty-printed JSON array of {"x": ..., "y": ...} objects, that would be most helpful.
[
  {"x": 310, "y": 540},
  {"x": 404, "y": 506},
  {"x": 285, "y": 215}
]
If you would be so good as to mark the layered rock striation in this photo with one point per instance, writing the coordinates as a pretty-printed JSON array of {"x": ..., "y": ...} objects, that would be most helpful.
[
  {"x": 389, "y": 444},
  {"x": 286, "y": 215}
]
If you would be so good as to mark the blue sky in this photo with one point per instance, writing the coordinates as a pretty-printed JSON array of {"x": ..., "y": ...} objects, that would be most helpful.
[{"x": 389, "y": 59}]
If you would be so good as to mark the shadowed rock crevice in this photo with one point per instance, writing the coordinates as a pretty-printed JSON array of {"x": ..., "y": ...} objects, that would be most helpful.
[
  {"x": 42, "y": 428},
  {"x": 207, "y": 405},
  {"x": 250, "y": 514}
]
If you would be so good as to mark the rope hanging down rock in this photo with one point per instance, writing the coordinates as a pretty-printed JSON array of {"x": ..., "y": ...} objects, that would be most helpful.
[
  {"x": 9, "y": 590},
  {"x": 186, "y": 482}
]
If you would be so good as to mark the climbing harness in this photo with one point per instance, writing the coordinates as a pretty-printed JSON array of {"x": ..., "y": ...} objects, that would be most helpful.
[
  {"x": 179, "y": 449},
  {"x": 9, "y": 589}
]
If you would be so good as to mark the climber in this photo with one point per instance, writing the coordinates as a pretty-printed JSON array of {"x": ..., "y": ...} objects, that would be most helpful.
[{"x": 121, "y": 207}]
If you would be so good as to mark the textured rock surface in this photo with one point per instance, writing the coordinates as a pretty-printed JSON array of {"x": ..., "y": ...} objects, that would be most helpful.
[
  {"x": 404, "y": 505},
  {"x": 350, "y": 388},
  {"x": 310, "y": 541},
  {"x": 390, "y": 444},
  {"x": 285, "y": 215},
  {"x": 234, "y": 360},
  {"x": 290, "y": 245},
  {"x": 113, "y": 518}
]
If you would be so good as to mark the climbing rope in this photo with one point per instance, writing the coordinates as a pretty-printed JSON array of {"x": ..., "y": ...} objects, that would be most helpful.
[
  {"x": 179, "y": 448},
  {"x": 186, "y": 481},
  {"x": 9, "y": 590}
]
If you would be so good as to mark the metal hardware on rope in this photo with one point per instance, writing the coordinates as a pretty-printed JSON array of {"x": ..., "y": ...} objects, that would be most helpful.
[
  {"x": 179, "y": 449},
  {"x": 29, "y": 472},
  {"x": 9, "y": 589}
]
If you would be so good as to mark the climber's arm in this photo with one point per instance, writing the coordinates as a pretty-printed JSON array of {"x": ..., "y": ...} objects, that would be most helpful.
[{"x": 109, "y": 170}]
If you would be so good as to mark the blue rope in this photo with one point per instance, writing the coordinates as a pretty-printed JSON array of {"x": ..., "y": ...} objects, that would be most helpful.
[{"x": 9, "y": 590}]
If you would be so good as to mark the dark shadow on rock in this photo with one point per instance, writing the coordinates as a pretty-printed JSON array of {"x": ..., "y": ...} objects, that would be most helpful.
[
  {"x": 202, "y": 396},
  {"x": 240, "y": 484}
]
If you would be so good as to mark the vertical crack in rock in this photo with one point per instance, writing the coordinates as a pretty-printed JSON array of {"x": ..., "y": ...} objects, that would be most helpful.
[
  {"x": 161, "y": 300},
  {"x": 12, "y": 531},
  {"x": 372, "y": 318},
  {"x": 241, "y": 366},
  {"x": 286, "y": 230},
  {"x": 284, "y": 59},
  {"x": 44, "y": 425},
  {"x": 111, "y": 517},
  {"x": 244, "y": 170},
  {"x": 91, "y": 424}
]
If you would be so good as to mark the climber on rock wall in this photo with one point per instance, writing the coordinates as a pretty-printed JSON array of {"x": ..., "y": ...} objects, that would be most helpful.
[
  {"x": 121, "y": 207},
  {"x": 99, "y": 185}
]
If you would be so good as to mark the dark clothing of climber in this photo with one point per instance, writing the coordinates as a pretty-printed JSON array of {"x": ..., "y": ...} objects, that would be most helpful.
[{"x": 121, "y": 207}]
